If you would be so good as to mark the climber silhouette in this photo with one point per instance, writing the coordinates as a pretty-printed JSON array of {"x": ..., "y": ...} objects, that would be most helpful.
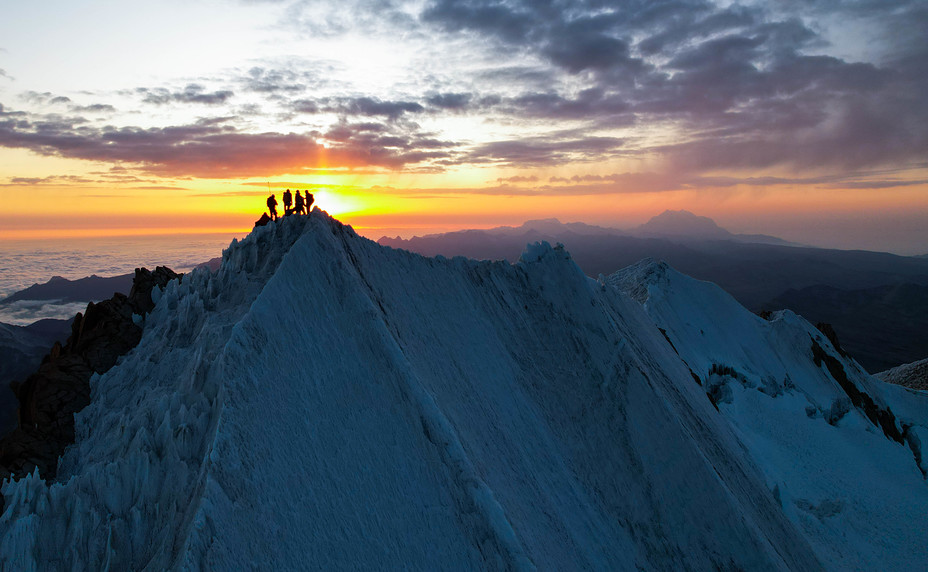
[
  {"x": 309, "y": 202},
  {"x": 288, "y": 200},
  {"x": 299, "y": 206},
  {"x": 272, "y": 206}
]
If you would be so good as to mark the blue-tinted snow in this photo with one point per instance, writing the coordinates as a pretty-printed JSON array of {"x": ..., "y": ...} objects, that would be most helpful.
[
  {"x": 858, "y": 496},
  {"x": 324, "y": 402}
]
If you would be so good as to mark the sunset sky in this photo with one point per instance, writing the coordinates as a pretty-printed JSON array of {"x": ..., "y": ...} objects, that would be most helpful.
[{"x": 807, "y": 120}]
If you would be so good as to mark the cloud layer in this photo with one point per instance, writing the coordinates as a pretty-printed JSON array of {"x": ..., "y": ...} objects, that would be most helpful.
[{"x": 693, "y": 86}]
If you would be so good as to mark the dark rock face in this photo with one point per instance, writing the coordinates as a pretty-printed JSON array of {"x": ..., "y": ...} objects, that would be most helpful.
[
  {"x": 263, "y": 220},
  {"x": 882, "y": 418},
  {"x": 49, "y": 398},
  {"x": 832, "y": 336},
  {"x": 21, "y": 351}
]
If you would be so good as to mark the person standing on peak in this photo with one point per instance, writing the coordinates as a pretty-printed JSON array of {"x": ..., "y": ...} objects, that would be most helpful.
[
  {"x": 299, "y": 207},
  {"x": 288, "y": 200},
  {"x": 309, "y": 202},
  {"x": 272, "y": 206}
]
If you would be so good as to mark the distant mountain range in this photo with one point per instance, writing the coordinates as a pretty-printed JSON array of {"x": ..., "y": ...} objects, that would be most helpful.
[
  {"x": 676, "y": 226},
  {"x": 757, "y": 270},
  {"x": 685, "y": 226},
  {"x": 82, "y": 290},
  {"x": 23, "y": 347},
  {"x": 88, "y": 289}
]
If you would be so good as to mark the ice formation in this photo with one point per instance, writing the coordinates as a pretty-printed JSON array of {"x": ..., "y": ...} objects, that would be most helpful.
[{"x": 324, "y": 402}]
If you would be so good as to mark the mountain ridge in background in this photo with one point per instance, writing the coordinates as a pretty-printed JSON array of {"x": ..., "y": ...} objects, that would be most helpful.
[
  {"x": 90, "y": 288},
  {"x": 757, "y": 274},
  {"x": 684, "y": 225}
]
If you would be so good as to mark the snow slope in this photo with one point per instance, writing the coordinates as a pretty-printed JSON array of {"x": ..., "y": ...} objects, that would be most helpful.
[
  {"x": 324, "y": 402},
  {"x": 854, "y": 490}
]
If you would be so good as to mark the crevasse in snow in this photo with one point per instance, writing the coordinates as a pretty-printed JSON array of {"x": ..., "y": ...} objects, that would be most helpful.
[{"x": 325, "y": 402}]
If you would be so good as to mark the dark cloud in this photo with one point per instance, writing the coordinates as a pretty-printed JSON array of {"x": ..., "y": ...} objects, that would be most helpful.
[
  {"x": 741, "y": 86},
  {"x": 304, "y": 106},
  {"x": 370, "y": 106},
  {"x": 322, "y": 18},
  {"x": 574, "y": 36},
  {"x": 689, "y": 23},
  {"x": 523, "y": 76},
  {"x": 249, "y": 110},
  {"x": 879, "y": 184},
  {"x": 214, "y": 148},
  {"x": 543, "y": 151},
  {"x": 192, "y": 93},
  {"x": 596, "y": 51},
  {"x": 356, "y": 107},
  {"x": 606, "y": 108},
  {"x": 500, "y": 19},
  {"x": 384, "y": 140},
  {"x": 4, "y": 74},
  {"x": 44, "y": 98},
  {"x": 518, "y": 179},
  {"x": 738, "y": 82},
  {"x": 93, "y": 108},
  {"x": 659, "y": 182},
  {"x": 50, "y": 180},
  {"x": 450, "y": 101},
  {"x": 290, "y": 79}
]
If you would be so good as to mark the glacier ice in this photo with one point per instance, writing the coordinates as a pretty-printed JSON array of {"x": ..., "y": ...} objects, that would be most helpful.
[{"x": 324, "y": 402}]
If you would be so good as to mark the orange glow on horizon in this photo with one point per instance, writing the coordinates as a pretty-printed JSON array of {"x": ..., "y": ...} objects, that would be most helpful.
[{"x": 408, "y": 204}]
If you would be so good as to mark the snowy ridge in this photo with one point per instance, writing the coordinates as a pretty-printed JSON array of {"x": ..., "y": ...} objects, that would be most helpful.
[
  {"x": 857, "y": 494},
  {"x": 325, "y": 402}
]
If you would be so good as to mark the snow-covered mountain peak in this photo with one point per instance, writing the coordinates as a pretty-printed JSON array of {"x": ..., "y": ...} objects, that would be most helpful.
[
  {"x": 638, "y": 279},
  {"x": 537, "y": 251},
  {"x": 321, "y": 401}
]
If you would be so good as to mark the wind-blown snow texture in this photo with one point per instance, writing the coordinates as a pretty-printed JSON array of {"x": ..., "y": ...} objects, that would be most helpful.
[{"x": 325, "y": 402}]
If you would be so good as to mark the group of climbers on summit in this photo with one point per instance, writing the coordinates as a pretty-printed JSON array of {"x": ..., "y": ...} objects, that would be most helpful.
[{"x": 302, "y": 206}]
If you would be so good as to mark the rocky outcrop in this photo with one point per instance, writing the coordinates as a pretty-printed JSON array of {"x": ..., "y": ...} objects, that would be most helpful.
[
  {"x": 21, "y": 351},
  {"x": 879, "y": 416},
  {"x": 263, "y": 220},
  {"x": 832, "y": 336},
  {"x": 49, "y": 398},
  {"x": 912, "y": 375}
]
